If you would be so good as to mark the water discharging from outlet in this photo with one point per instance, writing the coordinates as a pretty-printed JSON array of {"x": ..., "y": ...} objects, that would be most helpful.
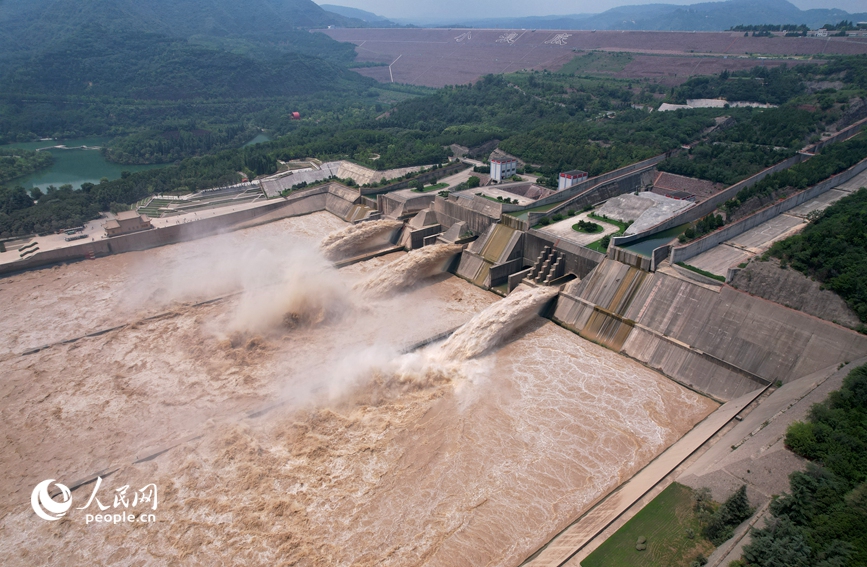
[
  {"x": 407, "y": 270},
  {"x": 487, "y": 329},
  {"x": 358, "y": 238}
]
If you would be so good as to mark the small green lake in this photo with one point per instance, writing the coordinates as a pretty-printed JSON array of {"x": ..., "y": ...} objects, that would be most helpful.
[
  {"x": 261, "y": 138},
  {"x": 73, "y": 166}
]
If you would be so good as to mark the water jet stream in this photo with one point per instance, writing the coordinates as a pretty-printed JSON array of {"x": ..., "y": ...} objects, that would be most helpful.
[
  {"x": 358, "y": 238},
  {"x": 407, "y": 270},
  {"x": 487, "y": 329}
]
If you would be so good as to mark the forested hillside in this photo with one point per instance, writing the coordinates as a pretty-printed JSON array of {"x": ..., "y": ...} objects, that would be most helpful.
[{"x": 72, "y": 68}]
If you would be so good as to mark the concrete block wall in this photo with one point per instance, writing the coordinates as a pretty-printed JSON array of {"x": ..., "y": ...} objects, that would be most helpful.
[
  {"x": 705, "y": 243},
  {"x": 301, "y": 203}
]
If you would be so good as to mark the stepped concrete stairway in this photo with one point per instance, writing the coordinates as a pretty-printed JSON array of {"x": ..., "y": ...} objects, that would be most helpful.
[{"x": 549, "y": 266}]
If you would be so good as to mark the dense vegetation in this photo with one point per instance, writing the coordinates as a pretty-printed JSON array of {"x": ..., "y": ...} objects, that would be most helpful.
[
  {"x": 704, "y": 225},
  {"x": 755, "y": 139},
  {"x": 724, "y": 163},
  {"x": 18, "y": 163},
  {"x": 833, "y": 249},
  {"x": 823, "y": 522},
  {"x": 832, "y": 160},
  {"x": 760, "y": 84}
]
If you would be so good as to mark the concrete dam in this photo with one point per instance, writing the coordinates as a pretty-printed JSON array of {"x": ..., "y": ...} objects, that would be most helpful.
[{"x": 430, "y": 381}]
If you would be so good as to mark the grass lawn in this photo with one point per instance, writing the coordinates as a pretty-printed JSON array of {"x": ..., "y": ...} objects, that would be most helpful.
[
  {"x": 430, "y": 188},
  {"x": 621, "y": 225},
  {"x": 664, "y": 522},
  {"x": 597, "y": 247},
  {"x": 702, "y": 272}
]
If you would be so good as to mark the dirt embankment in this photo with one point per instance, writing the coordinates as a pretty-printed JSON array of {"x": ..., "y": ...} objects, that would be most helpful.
[{"x": 793, "y": 289}]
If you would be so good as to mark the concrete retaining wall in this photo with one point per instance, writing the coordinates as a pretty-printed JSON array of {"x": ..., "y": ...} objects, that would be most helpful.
[
  {"x": 393, "y": 206},
  {"x": 580, "y": 188},
  {"x": 840, "y": 136},
  {"x": 500, "y": 273},
  {"x": 629, "y": 258},
  {"x": 299, "y": 204},
  {"x": 635, "y": 181},
  {"x": 659, "y": 255},
  {"x": 415, "y": 238},
  {"x": 706, "y": 207},
  {"x": 705, "y": 243},
  {"x": 517, "y": 224}
]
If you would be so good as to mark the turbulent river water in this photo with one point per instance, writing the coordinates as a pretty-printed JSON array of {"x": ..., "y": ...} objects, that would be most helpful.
[{"x": 309, "y": 437}]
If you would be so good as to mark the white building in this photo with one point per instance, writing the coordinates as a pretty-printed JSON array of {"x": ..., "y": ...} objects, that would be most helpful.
[
  {"x": 503, "y": 169},
  {"x": 570, "y": 178}
]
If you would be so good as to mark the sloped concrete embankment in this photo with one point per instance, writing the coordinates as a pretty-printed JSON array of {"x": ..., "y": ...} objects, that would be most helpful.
[
  {"x": 499, "y": 245},
  {"x": 718, "y": 341}
]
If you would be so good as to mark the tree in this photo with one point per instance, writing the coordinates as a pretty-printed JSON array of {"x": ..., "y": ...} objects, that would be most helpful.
[
  {"x": 14, "y": 199},
  {"x": 728, "y": 516},
  {"x": 473, "y": 182}
]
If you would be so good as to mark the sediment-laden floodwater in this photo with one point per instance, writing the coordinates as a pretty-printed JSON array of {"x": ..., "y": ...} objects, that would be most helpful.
[{"x": 300, "y": 429}]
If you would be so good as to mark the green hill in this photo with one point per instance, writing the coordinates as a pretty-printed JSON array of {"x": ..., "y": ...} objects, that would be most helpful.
[{"x": 96, "y": 62}]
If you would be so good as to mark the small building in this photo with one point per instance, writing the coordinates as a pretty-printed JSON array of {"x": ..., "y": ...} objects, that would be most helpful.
[
  {"x": 127, "y": 222},
  {"x": 503, "y": 168},
  {"x": 570, "y": 178}
]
